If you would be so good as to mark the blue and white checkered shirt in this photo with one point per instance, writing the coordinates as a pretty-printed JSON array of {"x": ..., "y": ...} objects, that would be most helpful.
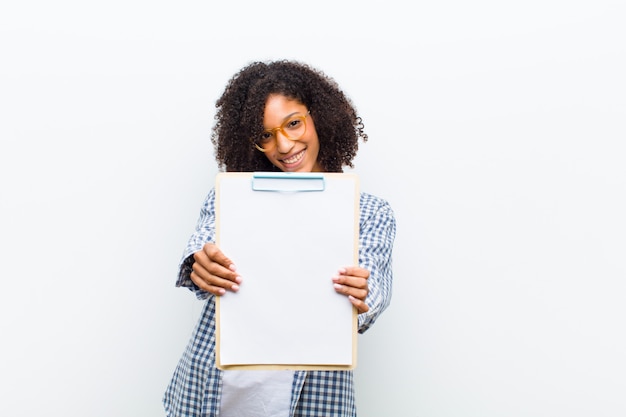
[{"x": 195, "y": 388}]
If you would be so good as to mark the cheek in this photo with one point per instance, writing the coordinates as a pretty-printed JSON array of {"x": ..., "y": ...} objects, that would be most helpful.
[{"x": 314, "y": 142}]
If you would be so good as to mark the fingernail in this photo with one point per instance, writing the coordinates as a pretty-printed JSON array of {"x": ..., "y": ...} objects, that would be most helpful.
[
  {"x": 238, "y": 280},
  {"x": 232, "y": 267},
  {"x": 235, "y": 287},
  {"x": 337, "y": 286}
]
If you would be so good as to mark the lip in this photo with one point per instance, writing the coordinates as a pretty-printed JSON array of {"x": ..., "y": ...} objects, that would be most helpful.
[{"x": 293, "y": 165}]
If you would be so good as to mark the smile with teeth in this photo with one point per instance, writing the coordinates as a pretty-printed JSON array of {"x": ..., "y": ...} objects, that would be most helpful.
[{"x": 295, "y": 158}]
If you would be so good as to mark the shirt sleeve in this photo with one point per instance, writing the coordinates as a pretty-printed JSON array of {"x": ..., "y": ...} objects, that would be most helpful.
[
  {"x": 377, "y": 231},
  {"x": 204, "y": 233}
]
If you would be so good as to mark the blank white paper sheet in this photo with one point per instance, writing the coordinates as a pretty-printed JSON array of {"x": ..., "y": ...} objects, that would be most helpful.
[{"x": 287, "y": 234}]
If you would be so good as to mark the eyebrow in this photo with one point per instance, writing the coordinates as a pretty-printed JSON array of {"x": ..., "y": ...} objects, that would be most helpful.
[
  {"x": 291, "y": 115},
  {"x": 288, "y": 116}
]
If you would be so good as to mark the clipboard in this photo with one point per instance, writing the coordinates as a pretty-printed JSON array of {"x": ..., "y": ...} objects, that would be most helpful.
[{"x": 288, "y": 234}]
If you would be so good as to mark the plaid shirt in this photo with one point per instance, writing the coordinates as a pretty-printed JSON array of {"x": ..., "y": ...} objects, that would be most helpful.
[{"x": 195, "y": 388}]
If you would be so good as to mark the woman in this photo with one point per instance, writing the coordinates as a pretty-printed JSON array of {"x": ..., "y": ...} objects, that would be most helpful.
[{"x": 278, "y": 116}]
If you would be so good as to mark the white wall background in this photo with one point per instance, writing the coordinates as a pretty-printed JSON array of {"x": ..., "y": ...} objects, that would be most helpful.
[{"x": 496, "y": 131}]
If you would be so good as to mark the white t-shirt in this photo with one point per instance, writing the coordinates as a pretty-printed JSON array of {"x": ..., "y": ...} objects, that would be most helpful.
[{"x": 256, "y": 393}]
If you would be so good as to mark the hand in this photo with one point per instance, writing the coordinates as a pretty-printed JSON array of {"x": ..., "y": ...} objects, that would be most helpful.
[
  {"x": 352, "y": 281},
  {"x": 213, "y": 271}
]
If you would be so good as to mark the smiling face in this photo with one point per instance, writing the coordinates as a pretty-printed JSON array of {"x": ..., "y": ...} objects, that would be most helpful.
[{"x": 291, "y": 155}]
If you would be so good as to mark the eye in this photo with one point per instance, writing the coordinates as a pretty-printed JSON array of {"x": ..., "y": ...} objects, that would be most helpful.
[
  {"x": 293, "y": 124},
  {"x": 265, "y": 137}
]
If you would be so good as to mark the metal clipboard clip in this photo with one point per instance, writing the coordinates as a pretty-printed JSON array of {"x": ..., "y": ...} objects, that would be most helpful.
[{"x": 288, "y": 181}]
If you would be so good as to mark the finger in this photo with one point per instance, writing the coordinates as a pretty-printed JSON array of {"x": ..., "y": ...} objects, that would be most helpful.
[
  {"x": 224, "y": 270},
  {"x": 353, "y": 277},
  {"x": 204, "y": 285},
  {"x": 359, "y": 293},
  {"x": 360, "y": 305},
  {"x": 355, "y": 282},
  {"x": 214, "y": 254},
  {"x": 355, "y": 271},
  {"x": 214, "y": 283}
]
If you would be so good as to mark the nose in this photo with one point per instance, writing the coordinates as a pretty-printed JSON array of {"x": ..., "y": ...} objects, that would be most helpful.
[{"x": 283, "y": 144}]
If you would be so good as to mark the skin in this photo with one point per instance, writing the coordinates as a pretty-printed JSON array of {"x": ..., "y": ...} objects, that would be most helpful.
[{"x": 216, "y": 273}]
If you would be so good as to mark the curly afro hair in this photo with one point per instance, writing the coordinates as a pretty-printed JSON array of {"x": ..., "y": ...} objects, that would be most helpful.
[{"x": 240, "y": 109}]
